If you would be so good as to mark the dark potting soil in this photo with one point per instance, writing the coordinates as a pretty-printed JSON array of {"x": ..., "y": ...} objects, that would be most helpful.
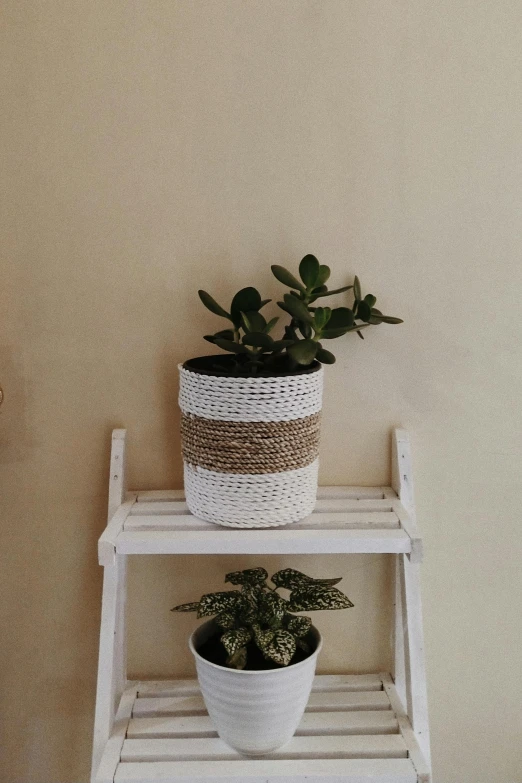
[
  {"x": 206, "y": 365},
  {"x": 212, "y": 650}
]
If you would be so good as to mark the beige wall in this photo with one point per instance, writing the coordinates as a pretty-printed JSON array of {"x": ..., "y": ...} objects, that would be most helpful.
[{"x": 154, "y": 147}]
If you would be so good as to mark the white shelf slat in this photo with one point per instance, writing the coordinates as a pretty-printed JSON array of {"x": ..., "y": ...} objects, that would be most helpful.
[
  {"x": 271, "y": 541},
  {"x": 269, "y": 771}
]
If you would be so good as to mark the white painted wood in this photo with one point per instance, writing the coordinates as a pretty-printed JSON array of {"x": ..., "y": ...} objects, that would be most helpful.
[
  {"x": 372, "y": 746},
  {"x": 117, "y": 480},
  {"x": 271, "y": 541},
  {"x": 323, "y": 521},
  {"x": 342, "y": 505},
  {"x": 161, "y": 494},
  {"x": 314, "y": 724},
  {"x": 112, "y": 655},
  {"x": 269, "y": 771},
  {"x": 408, "y": 524},
  {"x": 353, "y": 493},
  {"x": 415, "y": 665},
  {"x": 402, "y": 475},
  {"x": 107, "y": 540},
  {"x": 112, "y": 752},
  {"x": 399, "y": 632},
  {"x": 418, "y": 759},
  {"x": 322, "y": 683},
  {"x": 194, "y": 705}
]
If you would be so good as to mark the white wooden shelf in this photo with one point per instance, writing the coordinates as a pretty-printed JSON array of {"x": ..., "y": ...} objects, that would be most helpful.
[
  {"x": 357, "y": 728},
  {"x": 346, "y": 520},
  {"x": 353, "y": 730}
]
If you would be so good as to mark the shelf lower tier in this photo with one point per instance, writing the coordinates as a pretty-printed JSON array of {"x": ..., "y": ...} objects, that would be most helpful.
[{"x": 354, "y": 731}]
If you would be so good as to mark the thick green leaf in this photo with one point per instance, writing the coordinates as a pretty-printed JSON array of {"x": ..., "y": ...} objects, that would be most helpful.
[
  {"x": 332, "y": 334},
  {"x": 215, "y": 603},
  {"x": 370, "y": 300},
  {"x": 388, "y": 319},
  {"x": 321, "y": 317},
  {"x": 253, "y": 321},
  {"x": 333, "y": 291},
  {"x": 291, "y": 579},
  {"x": 258, "y": 340},
  {"x": 264, "y": 302},
  {"x": 309, "y": 270},
  {"x": 279, "y": 345},
  {"x": 272, "y": 609},
  {"x": 211, "y": 304},
  {"x": 226, "y": 620},
  {"x": 233, "y": 640},
  {"x": 324, "y": 356},
  {"x": 297, "y": 308},
  {"x": 299, "y": 626},
  {"x": 303, "y": 352},
  {"x": 341, "y": 318},
  {"x": 316, "y": 597},
  {"x": 364, "y": 311},
  {"x": 281, "y": 648},
  {"x": 249, "y": 576},
  {"x": 357, "y": 288},
  {"x": 270, "y": 325},
  {"x": 230, "y": 345},
  {"x": 322, "y": 277},
  {"x": 286, "y": 278},
  {"x": 245, "y": 300},
  {"x": 192, "y": 607}
]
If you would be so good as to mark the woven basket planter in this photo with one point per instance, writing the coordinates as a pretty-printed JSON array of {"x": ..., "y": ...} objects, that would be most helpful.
[{"x": 250, "y": 446}]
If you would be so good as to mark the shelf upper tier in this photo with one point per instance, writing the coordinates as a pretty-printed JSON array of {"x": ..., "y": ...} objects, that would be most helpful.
[{"x": 345, "y": 520}]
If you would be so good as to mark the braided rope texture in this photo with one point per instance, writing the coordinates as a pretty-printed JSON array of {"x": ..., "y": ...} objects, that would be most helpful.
[
  {"x": 251, "y": 501},
  {"x": 250, "y": 447},
  {"x": 280, "y": 398}
]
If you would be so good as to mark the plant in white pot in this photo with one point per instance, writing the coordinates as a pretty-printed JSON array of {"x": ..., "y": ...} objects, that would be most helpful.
[
  {"x": 251, "y": 417},
  {"x": 256, "y": 659}
]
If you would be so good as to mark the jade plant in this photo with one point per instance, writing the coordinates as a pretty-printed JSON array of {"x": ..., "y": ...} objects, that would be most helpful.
[
  {"x": 249, "y": 341},
  {"x": 257, "y": 614}
]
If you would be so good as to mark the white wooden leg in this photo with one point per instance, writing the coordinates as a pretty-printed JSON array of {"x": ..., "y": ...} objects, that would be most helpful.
[
  {"x": 399, "y": 659},
  {"x": 112, "y": 665},
  {"x": 416, "y": 693}
]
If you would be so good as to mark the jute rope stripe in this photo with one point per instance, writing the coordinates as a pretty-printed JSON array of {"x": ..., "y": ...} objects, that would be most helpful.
[
  {"x": 250, "y": 447},
  {"x": 250, "y": 399},
  {"x": 251, "y": 501}
]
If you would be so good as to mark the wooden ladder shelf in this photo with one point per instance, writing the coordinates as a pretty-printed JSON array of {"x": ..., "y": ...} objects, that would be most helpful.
[{"x": 365, "y": 728}]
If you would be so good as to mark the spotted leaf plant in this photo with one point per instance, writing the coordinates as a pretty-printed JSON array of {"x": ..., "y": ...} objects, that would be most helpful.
[
  {"x": 249, "y": 341},
  {"x": 257, "y": 614}
]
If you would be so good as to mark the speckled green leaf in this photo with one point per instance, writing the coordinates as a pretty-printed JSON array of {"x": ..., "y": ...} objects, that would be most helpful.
[
  {"x": 272, "y": 609},
  {"x": 281, "y": 648},
  {"x": 226, "y": 620},
  {"x": 192, "y": 607},
  {"x": 292, "y": 579},
  {"x": 316, "y": 597},
  {"x": 215, "y": 603},
  {"x": 299, "y": 626},
  {"x": 252, "y": 576},
  {"x": 233, "y": 640}
]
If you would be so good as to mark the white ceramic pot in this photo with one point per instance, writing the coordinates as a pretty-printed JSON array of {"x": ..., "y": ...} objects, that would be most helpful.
[
  {"x": 255, "y": 712},
  {"x": 250, "y": 445}
]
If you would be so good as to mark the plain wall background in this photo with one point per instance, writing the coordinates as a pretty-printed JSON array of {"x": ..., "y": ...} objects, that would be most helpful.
[{"x": 151, "y": 148}]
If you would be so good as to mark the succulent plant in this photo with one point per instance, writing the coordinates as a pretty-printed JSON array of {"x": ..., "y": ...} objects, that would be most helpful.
[
  {"x": 249, "y": 341},
  {"x": 257, "y": 613}
]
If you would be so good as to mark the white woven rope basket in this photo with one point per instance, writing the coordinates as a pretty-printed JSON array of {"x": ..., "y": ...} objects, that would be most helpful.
[
  {"x": 244, "y": 497},
  {"x": 251, "y": 500}
]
